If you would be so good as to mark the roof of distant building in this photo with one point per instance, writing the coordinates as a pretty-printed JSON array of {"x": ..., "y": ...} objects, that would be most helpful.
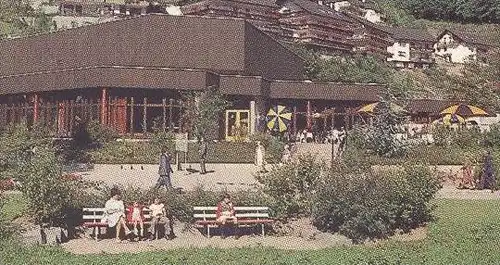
[
  {"x": 316, "y": 9},
  {"x": 410, "y": 34},
  {"x": 469, "y": 38}
]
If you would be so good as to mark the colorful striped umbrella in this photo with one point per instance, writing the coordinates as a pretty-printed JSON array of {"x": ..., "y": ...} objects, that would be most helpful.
[
  {"x": 370, "y": 108},
  {"x": 464, "y": 110},
  {"x": 278, "y": 118},
  {"x": 449, "y": 119}
]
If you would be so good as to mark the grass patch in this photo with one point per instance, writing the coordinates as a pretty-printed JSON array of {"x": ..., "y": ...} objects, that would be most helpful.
[
  {"x": 15, "y": 206},
  {"x": 466, "y": 232}
]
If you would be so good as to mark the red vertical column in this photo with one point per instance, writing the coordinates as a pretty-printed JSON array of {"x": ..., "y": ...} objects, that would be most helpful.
[
  {"x": 294, "y": 121},
  {"x": 104, "y": 106},
  {"x": 35, "y": 108}
]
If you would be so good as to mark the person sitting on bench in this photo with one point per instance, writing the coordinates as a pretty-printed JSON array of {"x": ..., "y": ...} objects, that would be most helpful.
[
  {"x": 225, "y": 212},
  {"x": 159, "y": 216},
  {"x": 135, "y": 215},
  {"x": 115, "y": 213}
]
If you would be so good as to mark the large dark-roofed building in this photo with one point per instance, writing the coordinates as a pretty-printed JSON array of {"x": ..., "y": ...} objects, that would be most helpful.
[{"x": 131, "y": 72}]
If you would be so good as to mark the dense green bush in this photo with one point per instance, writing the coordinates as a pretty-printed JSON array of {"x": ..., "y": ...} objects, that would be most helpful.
[
  {"x": 273, "y": 146},
  {"x": 372, "y": 204},
  {"x": 99, "y": 134},
  {"x": 292, "y": 185}
]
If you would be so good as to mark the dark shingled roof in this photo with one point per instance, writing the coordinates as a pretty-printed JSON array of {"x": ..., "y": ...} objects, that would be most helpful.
[
  {"x": 316, "y": 9},
  {"x": 430, "y": 106},
  {"x": 470, "y": 38},
  {"x": 411, "y": 34},
  {"x": 225, "y": 46}
]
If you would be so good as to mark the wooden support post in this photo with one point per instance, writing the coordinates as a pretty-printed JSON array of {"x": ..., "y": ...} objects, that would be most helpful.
[
  {"x": 145, "y": 116},
  {"x": 164, "y": 105},
  {"x": 113, "y": 113},
  {"x": 132, "y": 116},
  {"x": 35, "y": 108},
  {"x": 171, "y": 115},
  {"x": 294, "y": 121},
  {"x": 181, "y": 117},
  {"x": 347, "y": 119},
  {"x": 104, "y": 106},
  {"x": 325, "y": 119},
  {"x": 309, "y": 115},
  {"x": 72, "y": 115}
]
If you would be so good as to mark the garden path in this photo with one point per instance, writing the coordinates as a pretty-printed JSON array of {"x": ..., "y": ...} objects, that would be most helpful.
[{"x": 231, "y": 177}]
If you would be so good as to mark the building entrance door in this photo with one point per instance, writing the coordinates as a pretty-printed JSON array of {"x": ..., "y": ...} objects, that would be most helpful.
[{"x": 237, "y": 125}]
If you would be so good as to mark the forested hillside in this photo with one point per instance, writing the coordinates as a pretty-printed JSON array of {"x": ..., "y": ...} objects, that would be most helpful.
[{"x": 461, "y": 11}]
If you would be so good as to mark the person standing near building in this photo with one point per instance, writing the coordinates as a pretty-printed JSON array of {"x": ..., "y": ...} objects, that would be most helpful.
[
  {"x": 164, "y": 170},
  {"x": 259, "y": 157},
  {"x": 261, "y": 122},
  {"x": 202, "y": 152}
]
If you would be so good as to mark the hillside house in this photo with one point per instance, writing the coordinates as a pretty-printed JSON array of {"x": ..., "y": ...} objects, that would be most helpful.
[
  {"x": 459, "y": 47},
  {"x": 412, "y": 48}
]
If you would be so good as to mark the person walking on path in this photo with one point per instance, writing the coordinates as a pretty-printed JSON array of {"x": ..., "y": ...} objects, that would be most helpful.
[
  {"x": 202, "y": 151},
  {"x": 164, "y": 170},
  {"x": 488, "y": 177}
]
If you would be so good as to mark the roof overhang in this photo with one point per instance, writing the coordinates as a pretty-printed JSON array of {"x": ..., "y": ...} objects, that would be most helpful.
[
  {"x": 108, "y": 76},
  {"x": 324, "y": 91}
]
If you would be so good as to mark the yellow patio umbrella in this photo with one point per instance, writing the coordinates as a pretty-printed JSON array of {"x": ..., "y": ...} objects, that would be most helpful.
[
  {"x": 464, "y": 110},
  {"x": 449, "y": 119},
  {"x": 278, "y": 118},
  {"x": 370, "y": 108}
]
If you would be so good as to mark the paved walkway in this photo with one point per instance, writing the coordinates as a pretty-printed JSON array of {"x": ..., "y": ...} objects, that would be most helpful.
[{"x": 230, "y": 177}]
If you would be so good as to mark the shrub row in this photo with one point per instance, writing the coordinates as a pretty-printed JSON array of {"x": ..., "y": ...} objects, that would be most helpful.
[
  {"x": 148, "y": 153},
  {"x": 374, "y": 204},
  {"x": 351, "y": 198}
]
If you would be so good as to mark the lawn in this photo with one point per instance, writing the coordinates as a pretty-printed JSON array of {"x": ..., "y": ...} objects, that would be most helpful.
[
  {"x": 466, "y": 232},
  {"x": 14, "y": 207}
]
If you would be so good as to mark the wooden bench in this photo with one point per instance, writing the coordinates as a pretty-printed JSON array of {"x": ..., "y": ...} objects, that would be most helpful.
[
  {"x": 205, "y": 217},
  {"x": 92, "y": 218}
]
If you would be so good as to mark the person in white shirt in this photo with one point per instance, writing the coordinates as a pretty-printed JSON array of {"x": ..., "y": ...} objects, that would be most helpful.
[
  {"x": 159, "y": 216},
  {"x": 114, "y": 214}
]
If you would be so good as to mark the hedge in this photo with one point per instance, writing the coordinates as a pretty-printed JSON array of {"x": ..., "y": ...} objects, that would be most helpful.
[{"x": 146, "y": 153}]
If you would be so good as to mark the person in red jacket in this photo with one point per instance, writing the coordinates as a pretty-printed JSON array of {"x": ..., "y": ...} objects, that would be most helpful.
[
  {"x": 225, "y": 211},
  {"x": 135, "y": 215}
]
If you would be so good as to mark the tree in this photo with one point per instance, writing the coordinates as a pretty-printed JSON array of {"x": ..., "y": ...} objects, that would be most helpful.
[
  {"x": 19, "y": 18},
  {"x": 203, "y": 112}
]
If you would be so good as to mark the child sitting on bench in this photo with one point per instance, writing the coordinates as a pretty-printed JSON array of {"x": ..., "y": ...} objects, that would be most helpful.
[{"x": 135, "y": 215}]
